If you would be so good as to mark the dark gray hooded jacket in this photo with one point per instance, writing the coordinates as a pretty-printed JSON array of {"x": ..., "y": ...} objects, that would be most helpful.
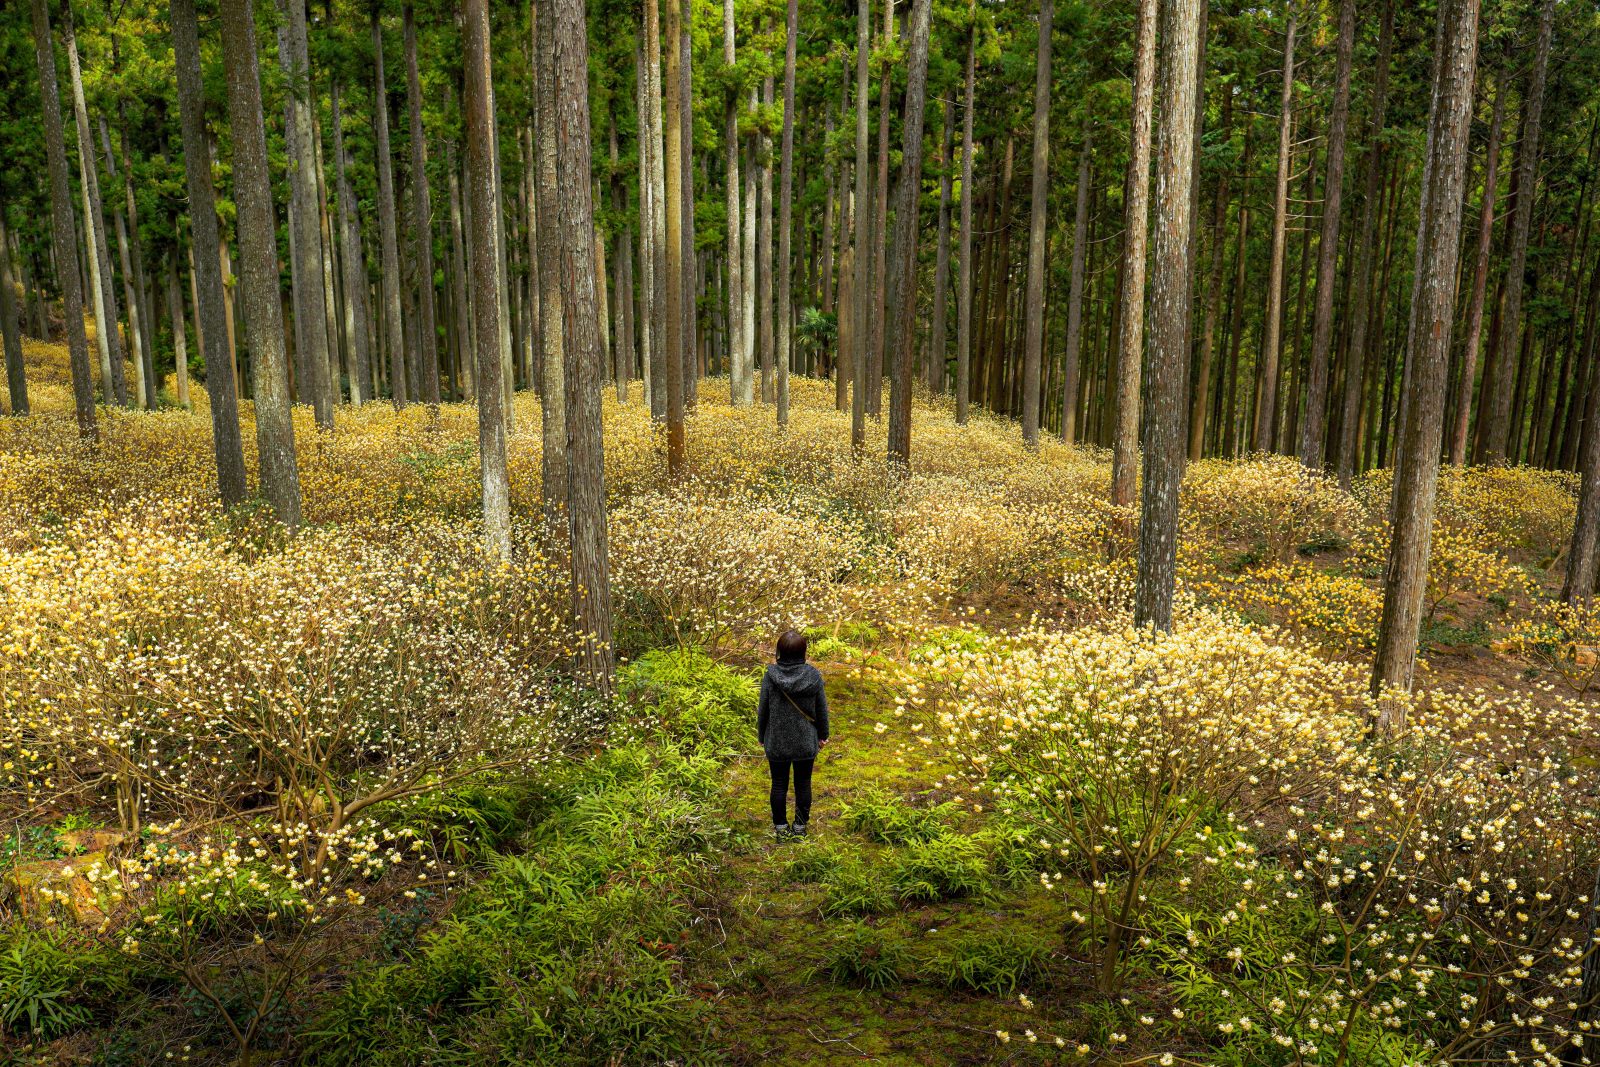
[{"x": 784, "y": 732}]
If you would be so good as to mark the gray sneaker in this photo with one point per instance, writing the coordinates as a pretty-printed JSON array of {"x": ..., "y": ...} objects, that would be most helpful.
[
  {"x": 781, "y": 832},
  {"x": 797, "y": 829}
]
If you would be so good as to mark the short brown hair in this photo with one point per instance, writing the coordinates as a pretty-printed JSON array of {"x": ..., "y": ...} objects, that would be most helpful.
[{"x": 792, "y": 645}]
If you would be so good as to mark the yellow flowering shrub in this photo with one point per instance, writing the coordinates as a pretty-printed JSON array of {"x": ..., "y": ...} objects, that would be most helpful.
[
  {"x": 1272, "y": 501},
  {"x": 1337, "y": 609},
  {"x": 1562, "y": 639},
  {"x": 1212, "y": 806},
  {"x": 154, "y": 665},
  {"x": 699, "y": 566},
  {"x": 1524, "y": 511},
  {"x": 1118, "y": 744}
]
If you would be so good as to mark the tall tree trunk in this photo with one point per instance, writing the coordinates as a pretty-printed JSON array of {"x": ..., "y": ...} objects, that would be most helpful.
[
  {"x": 1072, "y": 351},
  {"x": 180, "y": 335},
  {"x": 10, "y": 330},
  {"x": 844, "y": 361},
  {"x": 1433, "y": 305},
  {"x": 478, "y": 103},
  {"x": 466, "y": 353},
  {"x": 258, "y": 257},
  {"x": 1265, "y": 437},
  {"x": 880, "y": 225},
  {"x": 1136, "y": 209},
  {"x": 738, "y": 343},
  {"x": 658, "y": 216},
  {"x": 903, "y": 260},
  {"x": 143, "y": 388},
  {"x": 1169, "y": 313},
  {"x": 964, "y": 253},
  {"x": 622, "y": 349},
  {"x": 673, "y": 158},
  {"x": 938, "y": 347},
  {"x": 353, "y": 265},
  {"x": 1200, "y": 405},
  {"x": 423, "y": 207},
  {"x": 750, "y": 205},
  {"x": 101, "y": 280},
  {"x": 312, "y": 343},
  {"x": 650, "y": 325},
  {"x": 1312, "y": 428},
  {"x": 1480, "y": 281},
  {"x": 552, "y": 357},
  {"x": 586, "y": 509},
  {"x": 1361, "y": 276},
  {"x": 693, "y": 276},
  {"x": 785, "y": 212},
  {"x": 1499, "y": 392},
  {"x": 862, "y": 254},
  {"x": 1033, "y": 346},
  {"x": 393, "y": 320},
  {"x": 764, "y": 325}
]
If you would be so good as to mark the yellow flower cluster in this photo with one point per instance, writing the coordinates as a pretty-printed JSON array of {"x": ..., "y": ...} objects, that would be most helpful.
[
  {"x": 1266, "y": 500},
  {"x": 1333, "y": 886}
]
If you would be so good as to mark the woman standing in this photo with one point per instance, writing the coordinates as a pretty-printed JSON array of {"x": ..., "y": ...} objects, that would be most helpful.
[{"x": 792, "y": 725}]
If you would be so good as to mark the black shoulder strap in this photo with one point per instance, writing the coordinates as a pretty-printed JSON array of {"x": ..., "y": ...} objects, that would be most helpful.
[{"x": 795, "y": 706}]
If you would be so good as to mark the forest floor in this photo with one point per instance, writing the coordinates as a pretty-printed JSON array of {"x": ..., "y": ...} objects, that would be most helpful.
[{"x": 761, "y": 963}]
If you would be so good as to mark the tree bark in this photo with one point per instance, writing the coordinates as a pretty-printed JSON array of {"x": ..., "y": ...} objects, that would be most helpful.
[
  {"x": 785, "y": 213},
  {"x": 1072, "y": 351},
  {"x": 1480, "y": 283},
  {"x": 1164, "y": 445},
  {"x": 312, "y": 343},
  {"x": 938, "y": 346},
  {"x": 1265, "y": 436},
  {"x": 258, "y": 258},
  {"x": 903, "y": 260},
  {"x": 1428, "y": 344},
  {"x": 393, "y": 320},
  {"x": 880, "y": 227},
  {"x": 673, "y": 160},
  {"x": 1499, "y": 394},
  {"x": 586, "y": 510},
  {"x": 478, "y": 104},
  {"x": 180, "y": 335},
  {"x": 1136, "y": 201},
  {"x": 1312, "y": 427},
  {"x": 692, "y": 274},
  {"x": 765, "y": 327},
  {"x": 862, "y": 254},
  {"x": 552, "y": 358},
  {"x": 101, "y": 279},
  {"x": 1033, "y": 346},
  {"x": 738, "y": 343},
  {"x": 353, "y": 266},
  {"x": 10, "y": 331},
  {"x": 423, "y": 207},
  {"x": 964, "y": 253},
  {"x": 144, "y": 392}
]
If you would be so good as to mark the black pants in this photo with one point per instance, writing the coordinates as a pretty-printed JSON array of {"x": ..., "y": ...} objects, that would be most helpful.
[{"x": 780, "y": 789}]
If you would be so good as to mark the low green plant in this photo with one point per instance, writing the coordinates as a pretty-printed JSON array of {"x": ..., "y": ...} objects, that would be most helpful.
[
  {"x": 691, "y": 695},
  {"x": 941, "y": 868},
  {"x": 854, "y": 891},
  {"x": 1015, "y": 858},
  {"x": 814, "y": 861},
  {"x": 887, "y": 819},
  {"x": 990, "y": 961},
  {"x": 51, "y": 984},
  {"x": 863, "y": 955}
]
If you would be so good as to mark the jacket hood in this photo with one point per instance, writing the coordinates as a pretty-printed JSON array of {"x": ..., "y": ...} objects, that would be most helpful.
[{"x": 796, "y": 679}]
